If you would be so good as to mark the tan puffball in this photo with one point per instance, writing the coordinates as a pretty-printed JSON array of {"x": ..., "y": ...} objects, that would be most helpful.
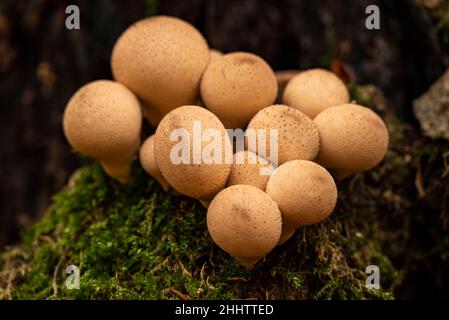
[
  {"x": 305, "y": 192},
  {"x": 298, "y": 136},
  {"x": 103, "y": 120},
  {"x": 353, "y": 139},
  {"x": 246, "y": 169},
  {"x": 162, "y": 60},
  {"x": 245, "y": 222},
  {"x": 236, "y": 86},
  {"x": 314, "y": 90},
  {"x": 148, "y": 162},
  {"x": 215, "y": 55},
  {"x": 201, "y": 181}
]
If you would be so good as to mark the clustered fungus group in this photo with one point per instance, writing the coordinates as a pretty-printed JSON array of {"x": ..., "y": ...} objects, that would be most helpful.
[{"x": 165, "y": 72}]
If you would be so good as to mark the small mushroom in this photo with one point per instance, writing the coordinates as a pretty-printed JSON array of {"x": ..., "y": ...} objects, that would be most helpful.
[
  {"x": 162, "y": 60},
  {"x": 190, "y": 174},
  {"x": 103, "y": 120},
  {"x": 305, "y": 192},
  {"x": 148, "y": 162},
  {"x": 298, "y": 136},
  {"x": 236, "y": 86},
  {"x": 245, "y": 222},
  {"x": 353, "y": 139},
  {"x": 246, "y": 169},
  {"x": 314, "y": 90}
]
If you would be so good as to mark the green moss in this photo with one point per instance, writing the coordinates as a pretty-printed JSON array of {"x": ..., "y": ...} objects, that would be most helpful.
[{"x": 136, "y": 241}]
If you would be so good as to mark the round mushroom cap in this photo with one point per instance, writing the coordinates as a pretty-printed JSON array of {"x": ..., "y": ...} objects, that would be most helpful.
[
  {"x": 236, "y": 86},
  {"x": 246, "y": 169},
  {"x": 353, "y": 139},
  {"x": 103, "y": 120},
  {"x": 305, "y": 192},
  {"x": 193, "y": 166},
  {"x": 148, "y": 162},
  {"x": 244, "y": 221},
  {"x": 298, "y": 136},
  {"x": 162, "y": 60},
  {"x": 314, "y": 90}
]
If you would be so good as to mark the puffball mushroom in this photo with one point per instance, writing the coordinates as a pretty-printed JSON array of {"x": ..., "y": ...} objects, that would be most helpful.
[
  {"x": 314, "y": 90},
  {"x": 353, "y": 139},
  {"x": 245, "y": 222},
  {"x": 298, "y": 136},
  {"x": 305, "y": 192},
  {"x": 162, "y": 60},
  {"x": 103, "y": 120},
  {"x": 236, "y": 86},
  {"x": 148, "y": 162},
  {"x": 246, "y": 169},
  {"x": 190, "y": 173}
]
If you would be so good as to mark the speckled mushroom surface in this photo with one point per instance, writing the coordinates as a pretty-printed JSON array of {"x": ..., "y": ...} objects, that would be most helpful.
[
  {"x": 236, "y": 86},
  {"x": 353, "y": 139},
  {"x": 312, "y": 91},
  {"x": 305, "y": 192},
  {"x": 162, "y": 60},
  {"x": 298, "y": 136},
  {"x": 244, "y": 221},
  {"x": 198, "y": 180},
  {"x": 103, "y": 120}
]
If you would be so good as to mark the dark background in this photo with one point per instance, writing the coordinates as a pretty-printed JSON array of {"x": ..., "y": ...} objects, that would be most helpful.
[{"x": 42, "y": 64}]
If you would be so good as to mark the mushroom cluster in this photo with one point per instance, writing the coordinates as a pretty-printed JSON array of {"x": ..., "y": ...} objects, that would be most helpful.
[{"x": 261, "y": 189}]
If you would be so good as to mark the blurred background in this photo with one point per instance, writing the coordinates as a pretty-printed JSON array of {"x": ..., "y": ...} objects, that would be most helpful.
[{"x": 42, "y": 64}]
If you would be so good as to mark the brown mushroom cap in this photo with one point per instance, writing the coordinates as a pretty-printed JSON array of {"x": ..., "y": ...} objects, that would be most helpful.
[
  {"x": 305, "y": 192},
  {"x": 200, "y": 181},
  {"x": 148, "y": 162},
  {"x": 246, "y": 170},
  {"x": 353, "y": 139},
  {"x": 161, "y": 59},
  {"x": 314, "y": 90},
  {"x": 244, "y": 221},
  {"x": 236, "y": 86},
  {"x": 103, "y": 120},
  {"x": 298, "y": 136}
]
